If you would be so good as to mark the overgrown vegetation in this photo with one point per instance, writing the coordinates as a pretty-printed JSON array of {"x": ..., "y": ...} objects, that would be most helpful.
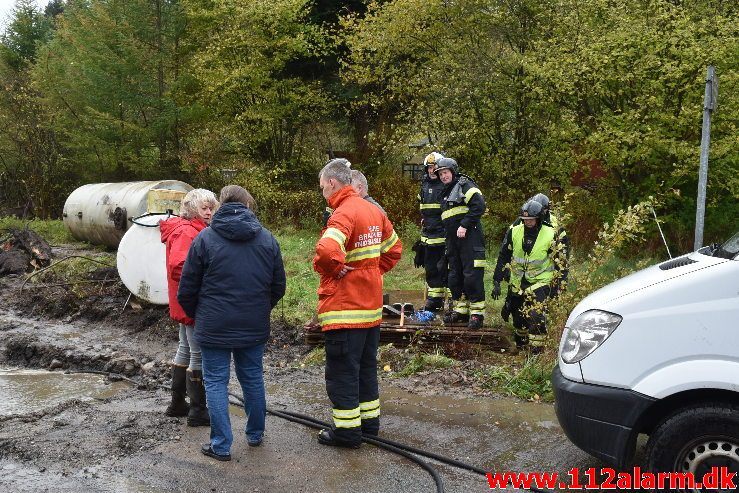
[
  {"x": 603, "y": 98},
  {"x": 53, "y": 232}
]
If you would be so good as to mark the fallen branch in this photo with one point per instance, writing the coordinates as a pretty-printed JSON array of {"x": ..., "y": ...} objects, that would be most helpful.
[
  {"x": 82, "y": 281},
  {"x": 59, "y": 262}
]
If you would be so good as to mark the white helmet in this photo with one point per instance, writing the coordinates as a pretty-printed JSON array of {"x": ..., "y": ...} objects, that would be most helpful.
[{"x": 432, "y": 159}]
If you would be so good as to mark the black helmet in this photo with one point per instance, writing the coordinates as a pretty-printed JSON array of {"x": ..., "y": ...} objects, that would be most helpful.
[
  {"x": 542, "y": 199},
  {"x": 447, "y": 163},
  {"x": 532, "y": 208},
  {"x": 340, "y": 160}
]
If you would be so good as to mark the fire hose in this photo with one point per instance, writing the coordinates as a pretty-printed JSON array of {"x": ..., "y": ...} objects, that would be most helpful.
[{"x": 404, "y": 450}]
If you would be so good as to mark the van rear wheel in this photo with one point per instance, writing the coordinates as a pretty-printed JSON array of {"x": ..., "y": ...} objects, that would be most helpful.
[{"x": 695, "y": 440}]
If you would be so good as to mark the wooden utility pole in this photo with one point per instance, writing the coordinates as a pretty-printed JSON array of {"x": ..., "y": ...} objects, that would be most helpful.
[{"x": 709, "y": 105}]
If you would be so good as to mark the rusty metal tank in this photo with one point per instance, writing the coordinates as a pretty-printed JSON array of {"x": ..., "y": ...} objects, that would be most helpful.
[{"x": 100, "y": 213}]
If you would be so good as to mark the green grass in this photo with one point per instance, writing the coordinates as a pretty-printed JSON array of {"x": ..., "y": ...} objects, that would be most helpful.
[
  {"x": 531, "y": 381},
  {"x": 424, "y": 361},
  {"x": 52, "y": 230}
]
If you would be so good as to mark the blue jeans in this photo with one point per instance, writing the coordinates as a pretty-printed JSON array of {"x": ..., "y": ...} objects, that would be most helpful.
[{"x": 216, "y": 374}]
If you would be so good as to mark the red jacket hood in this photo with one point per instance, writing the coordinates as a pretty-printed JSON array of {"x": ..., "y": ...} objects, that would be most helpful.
[{"x": 168, "y": 227}]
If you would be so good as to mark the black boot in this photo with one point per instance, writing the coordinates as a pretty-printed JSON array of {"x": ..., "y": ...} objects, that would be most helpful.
[
  {"x": 456, "y": 318},
  {"x": 434, "y": 304},
  {"x": 198, "y": 415},
  {"x": 475, "y": 322},
  {"x": 178, "y": 407}
]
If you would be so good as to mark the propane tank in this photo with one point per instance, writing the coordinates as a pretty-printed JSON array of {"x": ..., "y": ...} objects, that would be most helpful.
[
  {"x": 141, "y": 260},
  {"x": 101, "y": 213}
]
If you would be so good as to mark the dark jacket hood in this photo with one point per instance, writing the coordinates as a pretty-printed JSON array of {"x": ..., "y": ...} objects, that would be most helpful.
[{"x": 234, "y": 221}]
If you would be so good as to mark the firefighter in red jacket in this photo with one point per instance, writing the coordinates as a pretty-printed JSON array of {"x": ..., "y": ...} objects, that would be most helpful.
[{"x": 357, "y": 247}]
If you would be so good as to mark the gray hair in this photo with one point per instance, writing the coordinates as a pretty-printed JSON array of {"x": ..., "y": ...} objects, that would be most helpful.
[
  {"x": 358, "y": 178},
  {"x": 194, "y": 199},
  {"x": 339, "y": 170},
  {"x": 235, "y": 193}
]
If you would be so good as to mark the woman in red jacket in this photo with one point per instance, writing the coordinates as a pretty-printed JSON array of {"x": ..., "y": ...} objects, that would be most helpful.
[{"x": 178, "y": 233}]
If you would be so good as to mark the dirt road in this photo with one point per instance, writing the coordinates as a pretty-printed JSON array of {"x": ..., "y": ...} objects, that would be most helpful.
[{"x": 124, "y": 442}]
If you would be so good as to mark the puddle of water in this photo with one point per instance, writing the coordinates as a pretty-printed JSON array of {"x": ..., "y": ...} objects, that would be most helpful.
[
  {"x": 25, "y": 390},
  {"x": 67, "y": 331},
  {"x": 446, "y": 410}
]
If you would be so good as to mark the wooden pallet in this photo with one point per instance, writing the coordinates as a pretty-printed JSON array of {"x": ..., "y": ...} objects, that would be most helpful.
[
  {"x": 434, "y": 332},
  {"x": 430, "y": 334}
]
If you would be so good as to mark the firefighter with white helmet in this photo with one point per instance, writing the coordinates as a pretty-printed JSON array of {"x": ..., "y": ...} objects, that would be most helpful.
[{"x": 430, "y": 248}]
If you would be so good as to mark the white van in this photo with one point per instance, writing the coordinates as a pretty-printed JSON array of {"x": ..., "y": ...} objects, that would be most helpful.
[{"x": 657, "y": 352}]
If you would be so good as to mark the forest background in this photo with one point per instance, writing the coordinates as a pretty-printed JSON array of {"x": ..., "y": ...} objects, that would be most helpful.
[{"x": 598, "y": 103}]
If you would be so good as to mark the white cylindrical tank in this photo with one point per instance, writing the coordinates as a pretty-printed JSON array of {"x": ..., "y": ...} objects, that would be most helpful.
[
  {"x": 141, "y": 260},
  {"x": 99, "y": 213}
]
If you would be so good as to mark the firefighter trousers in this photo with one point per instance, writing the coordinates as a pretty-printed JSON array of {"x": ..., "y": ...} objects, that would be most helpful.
[
  {"x": 466, "y": 258},
  {"x": 436, "y": 274},
  {"x": 529, "y": 319},
  {"x": 351, "y": 382}
]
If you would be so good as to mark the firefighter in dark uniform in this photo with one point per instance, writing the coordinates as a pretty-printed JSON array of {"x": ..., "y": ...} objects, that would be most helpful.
[
  {"x": 430, "y": 250},
  {"x": 462, "y": 205},
  {"x": 530, "y": 249}
]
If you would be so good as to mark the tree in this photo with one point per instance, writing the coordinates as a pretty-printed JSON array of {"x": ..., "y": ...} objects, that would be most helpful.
[
  {"x": 31, "y": 169},
  {"x": 111, "y": 75},
  {"x": 245, "y": 54},
  {"x": 456, "y": 71},
  {"x": 630, "y": 79}
]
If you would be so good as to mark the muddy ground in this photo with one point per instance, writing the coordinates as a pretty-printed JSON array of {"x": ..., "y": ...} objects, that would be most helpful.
[{"x": 126, "y": 443}]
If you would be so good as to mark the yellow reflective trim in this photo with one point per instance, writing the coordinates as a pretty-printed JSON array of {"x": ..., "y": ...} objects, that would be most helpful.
[
  {"x": 354, "y": 423},
  {"x": 460, "y": 209},
  {"x": 349, "y": 316},
  {"x": 480, "y": 263},
  {"x": 375, "y": 413},
  {"x": 537, "y": 340},
  {"x": 470, "y": 193},
  {"x": 345, "y": 413},
  {"x": 363, "y": 253},
  {"x": 337, "y": 236},
  {"x": 430, "y": 206},
  {"x": 365, "y": 256},
  {"x": 369, "y": 405},
  {"x": 386, "y": 245},
  {"x": 432, "y": 241}
]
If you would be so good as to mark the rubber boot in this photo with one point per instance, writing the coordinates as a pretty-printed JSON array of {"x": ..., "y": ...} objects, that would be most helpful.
[
  {"x": 475, "y": 322},
  {"x": 178, "y": 407},
  {"x": 434, "y": 304},
  {"x": 198, "y": 415}
]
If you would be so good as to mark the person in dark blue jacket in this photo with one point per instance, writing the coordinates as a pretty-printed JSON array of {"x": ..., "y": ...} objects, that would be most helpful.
[{"x": 232, "y": 278}]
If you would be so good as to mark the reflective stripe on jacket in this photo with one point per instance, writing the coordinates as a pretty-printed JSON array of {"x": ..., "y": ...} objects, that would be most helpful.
[
  {"x": 429, "y": 204},
  {"x": 537, "y": 267},
  {"x": 360, "y": 236},
  {"x": 463, "y": 205}
]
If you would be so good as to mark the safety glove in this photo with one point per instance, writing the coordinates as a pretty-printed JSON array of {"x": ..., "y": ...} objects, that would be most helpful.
[
  {"x": 496, "y": 290},
  {"x": 420, "y": 250}
]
